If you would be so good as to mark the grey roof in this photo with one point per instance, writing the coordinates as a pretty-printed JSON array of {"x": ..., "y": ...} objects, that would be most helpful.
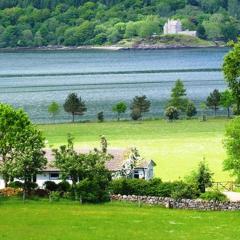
[{"x": 115, "y": 164}]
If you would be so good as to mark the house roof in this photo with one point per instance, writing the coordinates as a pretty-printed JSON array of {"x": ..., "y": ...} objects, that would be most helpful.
[{"x": 115, "y": 164}]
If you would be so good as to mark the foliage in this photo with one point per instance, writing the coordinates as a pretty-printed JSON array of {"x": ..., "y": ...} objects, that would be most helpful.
[
  {"x": 50, "y": 186},
  {"x": 136, "y": 114},
  {"x": 178, "y": 96},
  {"x": 54, "y": 196},
  {"x": 64, "y": 186},
  {"x": 214, "y": 196},
  {"x": 153, "y": 187},
  {"x": 171, "y": 113},
  {"x": 141, "y": 105},
  {"x": 74, "y": 105},
  {"x": 213, "y": 100},
  {"x": 231, "y": 71},
  {"x": 53, "y": 109},
  {"x": 100, "y": 117},
  {"x": 232, "y": 146},
  {"x": 20, "y": 146},
  {"x": 119, "y": 108},
  {"x": 9, "y": 192},
  {"x": 15, "y": 184},
  {"x": 34, "y": 23},
  {"x": 191, "y": 109},
  {"x": 226, "y": 100},
  {"x": 88, "y": 168},
  {"x": 201, "y": 178}
]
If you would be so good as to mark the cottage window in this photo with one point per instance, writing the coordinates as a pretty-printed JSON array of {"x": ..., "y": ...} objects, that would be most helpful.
[
  {"x": 136, "y": 174},
  {"x": 54, "y": 176}
]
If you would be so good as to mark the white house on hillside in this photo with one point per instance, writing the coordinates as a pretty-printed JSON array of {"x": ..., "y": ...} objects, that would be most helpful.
[
  {"x": 175, "y": 27},
  {"x": 143, "y": 169}
]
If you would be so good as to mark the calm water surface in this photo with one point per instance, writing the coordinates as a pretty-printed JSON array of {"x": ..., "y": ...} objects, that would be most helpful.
[{"x": 32, "y": 80}]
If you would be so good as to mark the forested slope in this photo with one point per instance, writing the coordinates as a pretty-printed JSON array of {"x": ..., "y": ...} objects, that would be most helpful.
[{"x": 32, "y": 23}]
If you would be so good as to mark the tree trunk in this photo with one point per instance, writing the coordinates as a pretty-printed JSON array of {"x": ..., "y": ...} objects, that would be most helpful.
[
  {"x": 73, "y": 115},
  {"x": 228, "y": 110},
  {"x": 24, "y": 191},
  {"x": 118, "y": 116}
]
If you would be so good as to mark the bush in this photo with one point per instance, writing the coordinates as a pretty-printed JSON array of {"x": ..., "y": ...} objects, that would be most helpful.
[
  {"x": 92, "y": 191},
  {"x": 54, "y": 196},
  {"x": 40, "y": 193},
  {"x": 50, "y": 186},
  {"x": 15, "y": 184},
  {"x": 100, "y": 116},
  {"x": 154, "y": 187},
  {"x": 31, "y": 185},
  {"x": 136, "y": 114},
  {"x": 9, "y": 192},
  {"x": 171, "y": 113},
  {"x": 64, "y": 186},
  {"x": 214, "y": 196}
]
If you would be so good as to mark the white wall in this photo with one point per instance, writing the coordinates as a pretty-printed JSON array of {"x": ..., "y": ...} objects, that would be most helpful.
[{"x": 2, "y": 185}]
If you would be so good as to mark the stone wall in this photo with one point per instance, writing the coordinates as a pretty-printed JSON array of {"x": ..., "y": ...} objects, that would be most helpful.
[{"x": 196, "y": 204}]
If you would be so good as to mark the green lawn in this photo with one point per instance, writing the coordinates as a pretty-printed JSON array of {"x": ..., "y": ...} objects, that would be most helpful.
[
  {"x": 176, "y": 147},
  {"x": 41, "y": 220}
]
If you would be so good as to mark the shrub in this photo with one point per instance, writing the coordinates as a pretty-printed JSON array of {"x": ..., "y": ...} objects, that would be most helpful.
[
  {"x": 54, "y": 196},
  {"x": 9, "y": 192},
  {"x": 92, "y": 191},
  {"x": 50, "y": 186},
  {"x": 31, "y": 185},
  {"x": 214, "y": 196},
  {"x": 184, "y": 191},
  {"x": 154, "y": 187},
  {"x": 15, "y": 184},
  {"x": 64, "y": 186},
  {"x": 40, "y": 193},
  {"x": 100, "y": 116},
  {"x": 136, "y": 114},
  {"x": 171, "y": 113}
]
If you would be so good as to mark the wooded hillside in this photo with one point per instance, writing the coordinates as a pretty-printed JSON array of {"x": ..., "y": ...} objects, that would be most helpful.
[{"x": 79, "y": 22}]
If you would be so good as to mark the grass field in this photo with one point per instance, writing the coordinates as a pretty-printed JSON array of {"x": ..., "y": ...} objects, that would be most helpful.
[
  {"x": 176, "y": 147},
  {"x": 39, "y": 220}
]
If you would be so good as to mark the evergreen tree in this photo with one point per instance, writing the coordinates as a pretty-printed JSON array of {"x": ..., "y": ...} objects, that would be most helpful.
[
  {"x": 74, "y": 105},
  {"x": 178, "y": 96},
  {"x": 141, "y": 105},
  {"x": 213, "y": 100}
]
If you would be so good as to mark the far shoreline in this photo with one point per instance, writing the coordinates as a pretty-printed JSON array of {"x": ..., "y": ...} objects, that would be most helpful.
[{"x": 105, "y": 48}]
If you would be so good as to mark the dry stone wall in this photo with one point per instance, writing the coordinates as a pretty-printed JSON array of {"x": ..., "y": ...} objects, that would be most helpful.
[{"x": 195, "y": 204}]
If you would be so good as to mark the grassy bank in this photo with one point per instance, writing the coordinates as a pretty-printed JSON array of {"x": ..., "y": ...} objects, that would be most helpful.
[
  {"x": 176, "y": 147},
  {"x": 41, "y": 220}
]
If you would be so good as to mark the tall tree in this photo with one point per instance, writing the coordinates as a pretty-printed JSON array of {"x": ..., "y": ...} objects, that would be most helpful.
[
  {"x": 227, "y": 100},
  {"x": 13, "y": 125},
  {"x": 28, "y": 158},
  {"x": 232, "y": 146},
  {"x": 178, "y": 96},
  {"x": 140, "y": 104},
  {"x": 191, "y": 109},
  {"x": 231, "y": 68},
  {"x": 213, "y": 100},
  {"x": 74, "y": 105},
  {"x": 54, "y": 109},
  {"x": 119, "y": 108}
]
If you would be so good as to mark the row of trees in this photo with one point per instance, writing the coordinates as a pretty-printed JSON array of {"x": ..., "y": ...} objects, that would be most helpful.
[
  {"x": 72, "y": 22},
  {"x": 177, "y": 105},
  {"x": 74, "y": 105}
]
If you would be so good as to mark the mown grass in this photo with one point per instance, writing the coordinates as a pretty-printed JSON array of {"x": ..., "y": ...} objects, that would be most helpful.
[
  {"x": 41, "y": 220},
  {"x": 176, "y": 147}
]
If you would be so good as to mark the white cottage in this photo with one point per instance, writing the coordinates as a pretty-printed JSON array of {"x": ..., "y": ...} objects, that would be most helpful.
[{"x": 144, "y": 169}]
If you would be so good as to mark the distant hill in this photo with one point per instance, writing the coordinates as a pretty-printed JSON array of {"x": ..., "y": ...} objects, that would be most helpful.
[{"x": 36, "y": 23}]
